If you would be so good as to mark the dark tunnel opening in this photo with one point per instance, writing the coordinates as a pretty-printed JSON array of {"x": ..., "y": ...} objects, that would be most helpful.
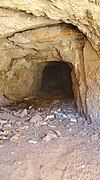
[{"x": 56, "y": 77}]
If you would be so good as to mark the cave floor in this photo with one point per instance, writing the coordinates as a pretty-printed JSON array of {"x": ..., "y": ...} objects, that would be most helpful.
[{"x": 49, "y": 142}]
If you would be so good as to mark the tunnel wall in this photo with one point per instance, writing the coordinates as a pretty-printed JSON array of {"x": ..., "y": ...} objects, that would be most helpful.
[{"x": 92, "y": 74}]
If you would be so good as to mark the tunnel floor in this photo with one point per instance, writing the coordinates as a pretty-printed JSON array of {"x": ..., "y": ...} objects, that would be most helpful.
[
  {"x": 43, "y": 99},
  {"x": 48, "y": 143}
]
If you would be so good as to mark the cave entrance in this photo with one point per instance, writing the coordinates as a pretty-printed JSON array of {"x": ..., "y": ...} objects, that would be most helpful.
[{"x": 56, "y": 79}]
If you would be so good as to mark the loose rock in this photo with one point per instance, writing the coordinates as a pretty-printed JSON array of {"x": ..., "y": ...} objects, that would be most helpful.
[
  {"x": 50, "y": 136},
  {"x": 50, "y": 117},
  {"x": 74, "y": 120},
  {"x": 58, "y": 132},
  {"x": 24, "y": 113},
  {"x": 35, "y": 119},
  {"x": 32, "y": 142}
]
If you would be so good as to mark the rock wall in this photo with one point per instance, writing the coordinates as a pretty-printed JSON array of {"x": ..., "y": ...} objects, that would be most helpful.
[
  {"x": 33, "y": 32},
  {"x": 92, "y": 73},
  {"x": 22, "y": 54},
  {"x": 84, "y": 14}
]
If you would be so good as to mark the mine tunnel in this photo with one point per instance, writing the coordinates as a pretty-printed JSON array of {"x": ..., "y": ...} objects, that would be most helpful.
[{"x": 56, "y": 79}]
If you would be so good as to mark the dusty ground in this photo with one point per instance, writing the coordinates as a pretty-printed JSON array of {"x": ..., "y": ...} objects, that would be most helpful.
[{"x": 49, "y": 143}]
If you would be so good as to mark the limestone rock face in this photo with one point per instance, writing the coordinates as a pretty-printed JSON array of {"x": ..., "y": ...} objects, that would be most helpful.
[
  {"x": 16, "y": 21},
  {"x": 83, "y": 14},
  {"x": 34, "y": 32},
  {"x": 22, "y": 54}
]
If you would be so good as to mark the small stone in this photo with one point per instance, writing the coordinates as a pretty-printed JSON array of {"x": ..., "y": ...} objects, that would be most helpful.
[
  {"x": 50, "y": 117},
  {"x": 25, "y": 127},
  {"x": 7, "y": 127},
  {"x": 58, "y": 132},
  {"x": 94, "y": 136},
  {"x": 6, "y": 132},
  {"x": 2, "y": 122},
  {"x": 58, "y": 110},
  {"x": 17, "y": 113},
  {"x": 69, "y": 129},
  {"x": 15, "y": 137},
  {"x": 30, "y": 107},
  {"x": 35, "y": 119},
  {"x": 61, "y": 115},
  {"x": 77, "y": 115},
  {"x": 26, "y": 98},
  {"x": 74, "y": 120},
  {"x": 24, "y": 113},
  {"x": 32, "y": 142},
  {"x": 50, "y": 136},
  {"x": 18, "y": 135},
  {"x": 3, "y": 137},
  {"x": 44, "y": 123}
]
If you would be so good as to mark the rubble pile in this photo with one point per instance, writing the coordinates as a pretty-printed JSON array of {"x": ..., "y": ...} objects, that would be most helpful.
[{"x": 34, "y": 125}]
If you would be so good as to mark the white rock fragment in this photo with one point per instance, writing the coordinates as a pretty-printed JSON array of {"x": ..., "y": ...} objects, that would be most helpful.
[
  {"x": 4, "y": 137},
  {"x": 2, "y": 122},
  {"x": 69, "y": 129},
  {"x": 26, "y": 98},
  {"x": 74, "y": 120},
  {"x": 52, "y": 126},
  {"x": 50, "y": 117},
  {"x": 63, "y": 115},
  {"x": 32, "y": 142},
  {"x": 30, "y": 107},
  {"x": 44, "y": 123}
]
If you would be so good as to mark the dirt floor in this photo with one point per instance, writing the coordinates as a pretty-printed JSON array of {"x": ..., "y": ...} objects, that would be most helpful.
[{"x": 48, "y": 142}]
